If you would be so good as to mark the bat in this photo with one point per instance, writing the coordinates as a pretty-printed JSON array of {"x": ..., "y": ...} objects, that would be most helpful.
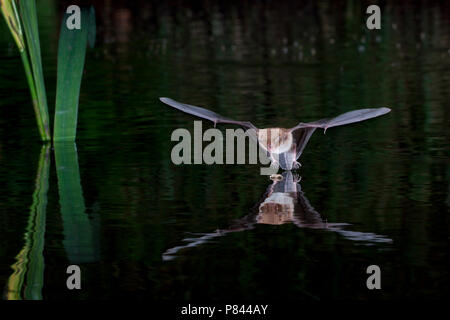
[{"x": 284, "y": 146}]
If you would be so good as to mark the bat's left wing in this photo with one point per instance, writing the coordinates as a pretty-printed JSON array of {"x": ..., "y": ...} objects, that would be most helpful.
[{"x": 205, "y": 113}]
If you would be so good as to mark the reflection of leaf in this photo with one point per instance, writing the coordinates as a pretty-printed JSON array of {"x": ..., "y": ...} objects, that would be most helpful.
[
  {"x": 30, "y": 260},
  {"x": 71, "y": 56},
  {"x": 78, "y": 230}
]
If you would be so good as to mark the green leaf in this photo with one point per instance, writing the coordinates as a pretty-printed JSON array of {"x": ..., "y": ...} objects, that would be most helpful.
[
  {"x": 28, "y": 15},
  {"x": 29, "y": 48},
  {"x": 71, "y": 56},
  {"x": 9, "y": 10}
]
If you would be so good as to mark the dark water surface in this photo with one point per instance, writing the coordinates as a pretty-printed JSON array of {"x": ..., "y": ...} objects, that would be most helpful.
[{"x": 140, "y": 227}]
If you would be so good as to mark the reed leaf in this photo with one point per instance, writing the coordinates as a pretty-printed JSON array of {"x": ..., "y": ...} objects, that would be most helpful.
[
  {"x": 79, "y": 241},
  {"x": 28, "y": 14},
  {"x": 71, "y": 57},
  {"x": 9, "y": 11},
  {"x": 27, "y": 278},
  {"x": 33, "y": 74}
]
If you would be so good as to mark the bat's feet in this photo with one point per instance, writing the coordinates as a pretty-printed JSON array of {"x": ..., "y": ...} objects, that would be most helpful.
[
  {"x": 296, "y": 165},
  {"x": 296, "y": 178}
]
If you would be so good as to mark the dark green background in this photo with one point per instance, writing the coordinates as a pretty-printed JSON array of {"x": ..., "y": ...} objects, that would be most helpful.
[{"x": 270, "y": 62}]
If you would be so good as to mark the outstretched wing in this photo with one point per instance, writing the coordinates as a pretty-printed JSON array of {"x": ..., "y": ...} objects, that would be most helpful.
[
  {"x": 345, "y": 118},
  {"x": 204, "y": 113}
]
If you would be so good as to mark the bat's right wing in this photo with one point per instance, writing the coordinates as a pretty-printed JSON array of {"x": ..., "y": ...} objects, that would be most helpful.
[
  {"x": 205, "y": 114},
  {"x": 303, "y": 131},
  {"x": 345, "y": 118}
]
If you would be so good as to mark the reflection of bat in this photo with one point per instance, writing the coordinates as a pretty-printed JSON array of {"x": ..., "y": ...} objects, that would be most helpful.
[
  {"x": 283, "y": 202},
  {"x": 284, "y": 144}
]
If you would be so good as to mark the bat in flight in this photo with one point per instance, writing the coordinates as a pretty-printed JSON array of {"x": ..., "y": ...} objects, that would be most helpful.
[{"x": 284, "y": 146}]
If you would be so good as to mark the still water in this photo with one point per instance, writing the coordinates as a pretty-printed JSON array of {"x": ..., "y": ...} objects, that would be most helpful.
[{"x": 140, "y": 227}]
